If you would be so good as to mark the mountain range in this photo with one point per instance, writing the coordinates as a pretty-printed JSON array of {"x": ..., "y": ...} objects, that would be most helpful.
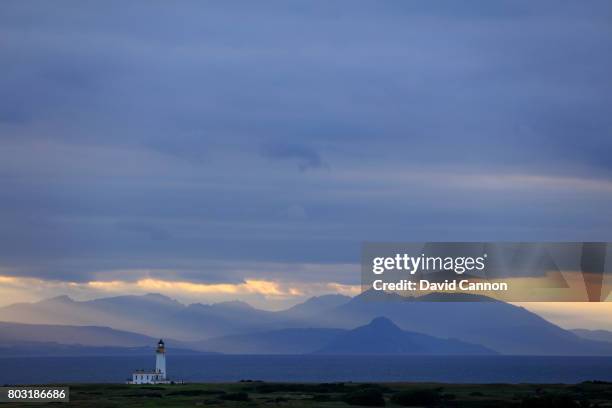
[
  {"x": 381, "y": 336},
  {"x": 19, "y": 339},
  {"x": 599, "y": 335},
  {"x": 326, "y": 324}
]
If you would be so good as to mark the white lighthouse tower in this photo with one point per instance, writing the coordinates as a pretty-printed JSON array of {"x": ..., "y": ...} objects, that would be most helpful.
[
  {"x": 157, "y": 376},
  {"x": 160, "y": 359}
]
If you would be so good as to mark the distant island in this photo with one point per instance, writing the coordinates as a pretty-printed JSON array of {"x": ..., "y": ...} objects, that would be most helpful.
[{"x": 370, "y": 323}]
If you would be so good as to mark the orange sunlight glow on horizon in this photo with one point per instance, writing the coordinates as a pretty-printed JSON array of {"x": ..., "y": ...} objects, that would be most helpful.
[{"x": 264, "y": 294}]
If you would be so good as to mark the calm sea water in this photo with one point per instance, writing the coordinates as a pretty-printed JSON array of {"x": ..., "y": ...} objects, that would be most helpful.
[{"x": 221, "y": 368}]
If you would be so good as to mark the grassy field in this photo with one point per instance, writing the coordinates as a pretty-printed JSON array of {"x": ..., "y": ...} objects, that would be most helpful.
[{"x": 259, "y": 394}]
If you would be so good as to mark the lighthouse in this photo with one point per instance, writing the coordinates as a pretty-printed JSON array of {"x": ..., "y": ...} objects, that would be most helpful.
[
  {"x": 157, "y": 376},
  {"x": 160, "y": 359}
]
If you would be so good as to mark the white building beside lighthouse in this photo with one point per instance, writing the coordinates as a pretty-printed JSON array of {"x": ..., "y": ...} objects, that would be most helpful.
[{"x": 157, "y": 376}]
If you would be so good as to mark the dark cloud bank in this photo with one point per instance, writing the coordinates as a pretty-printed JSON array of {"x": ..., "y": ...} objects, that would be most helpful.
[{"x": 157, "y": 135}]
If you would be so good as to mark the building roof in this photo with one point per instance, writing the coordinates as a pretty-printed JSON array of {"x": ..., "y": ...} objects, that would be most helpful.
[{"x": 147, "y": 372}]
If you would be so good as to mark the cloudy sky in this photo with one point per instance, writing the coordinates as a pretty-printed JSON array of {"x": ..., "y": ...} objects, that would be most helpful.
[{"x": 215, "y": 150}]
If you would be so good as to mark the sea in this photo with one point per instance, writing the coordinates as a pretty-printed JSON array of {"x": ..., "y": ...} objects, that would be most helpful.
[{"x": 311, "y": 368}]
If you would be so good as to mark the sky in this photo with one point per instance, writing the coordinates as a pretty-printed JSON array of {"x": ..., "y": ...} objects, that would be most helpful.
[{"x": 215, "y": 150}]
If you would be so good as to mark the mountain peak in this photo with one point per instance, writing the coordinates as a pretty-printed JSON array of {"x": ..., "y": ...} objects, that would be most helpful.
[
  {"x": 380, "y": 326},
  {"x": 233, "y": 304},
  {"x": 328, "y": 297},
  {"x": 318, "y": 304},
  {"x": 158, "y": 297},
  {"x": 382, "y": 322},
  {"x": 58, "y": 299},
  {"x": 382, "y": 336},
  {"x": 377, "y": 295}
]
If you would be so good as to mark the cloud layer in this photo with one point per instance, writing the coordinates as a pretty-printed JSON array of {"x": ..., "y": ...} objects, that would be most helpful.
[{"x": 191, "y": 138}]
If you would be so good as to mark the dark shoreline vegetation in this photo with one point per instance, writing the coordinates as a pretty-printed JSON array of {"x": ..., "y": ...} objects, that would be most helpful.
[{"x": 589, "y": 394}]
